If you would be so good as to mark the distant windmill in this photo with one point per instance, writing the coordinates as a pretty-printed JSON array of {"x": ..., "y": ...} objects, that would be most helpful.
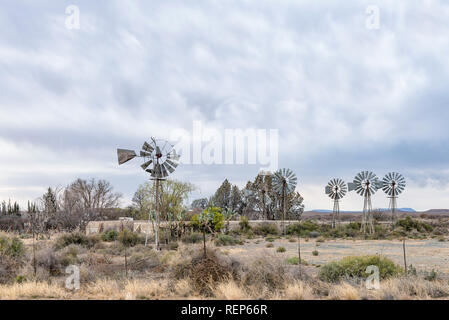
[
  {"x": 366, "y": 184},
  {"x": 393, "y": 184},
  {"x": 159, "y": 160},
  {"x": 284, "y": 183},
  {"x": 336, "y": 189},
  {"x": 261, "y": 194}
]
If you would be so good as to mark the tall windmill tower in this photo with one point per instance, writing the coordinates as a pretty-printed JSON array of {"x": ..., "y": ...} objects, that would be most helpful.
[
  {"x": 284, "y": 183},
  {"x": 159, "y": 160},
  {"x": 366, "y": 184},
  {"x": 393, "y": 184},
  {"x": 336, "y": 189}
]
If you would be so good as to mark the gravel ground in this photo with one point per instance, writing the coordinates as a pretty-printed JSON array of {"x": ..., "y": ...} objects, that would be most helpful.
[{"x": 424, "y": 255}]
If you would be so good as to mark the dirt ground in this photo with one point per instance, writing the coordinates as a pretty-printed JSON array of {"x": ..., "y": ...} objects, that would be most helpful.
[{"x": 424, "y": 255}]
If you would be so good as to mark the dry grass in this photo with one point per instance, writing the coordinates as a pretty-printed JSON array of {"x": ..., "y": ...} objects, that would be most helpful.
[
  {"x": 33, "y": 290},
  {"x": 230, "y": 290},
  {"x": 108, "y": 289},
  {"x": 298, "y": 290}
]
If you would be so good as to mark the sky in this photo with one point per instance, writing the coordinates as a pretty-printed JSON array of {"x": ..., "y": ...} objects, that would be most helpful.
[{"x": 347, "y": 86}]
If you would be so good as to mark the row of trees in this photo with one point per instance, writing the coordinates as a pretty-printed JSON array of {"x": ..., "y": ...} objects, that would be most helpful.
[
  {"x": 257, "y": 200},
  {"x": 9, "y": 208},
  {"x": 71, "y": 207}
]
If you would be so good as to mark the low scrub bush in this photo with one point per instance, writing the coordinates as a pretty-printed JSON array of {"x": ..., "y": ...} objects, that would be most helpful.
[
  {"x": 77, "y": 238},
  {"x": 295, "y": 260},
  {"x": 304, "y": 228},
  {"x": 226, "y": 240},
  {"x": 129, "y": 238},
  {"x": 12, "y": 252},
  {"x": 109, "y": 236},
  {"x": 409, "y": 224},
  {"x": 315, "y": 252},
  {"x": 244, "y": 224},
  {"x": 265, "y": 229},
  {"x": 280, "y": 249},
  {"x": 192, "y": 238},
  {"x": 355, "y": 267}
]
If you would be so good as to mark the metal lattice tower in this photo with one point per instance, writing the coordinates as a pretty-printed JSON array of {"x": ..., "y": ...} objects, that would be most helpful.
[
  {"x": 284, "y": 182},
  {"x": 366, "y": 184},
  {"x": 159, "y": 160},
  {"x": 393, "y": 184},
  {"x": 336, "y": 189}
]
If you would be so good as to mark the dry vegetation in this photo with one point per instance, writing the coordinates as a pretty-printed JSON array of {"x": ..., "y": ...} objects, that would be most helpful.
[{"x": 181, "y": 272}]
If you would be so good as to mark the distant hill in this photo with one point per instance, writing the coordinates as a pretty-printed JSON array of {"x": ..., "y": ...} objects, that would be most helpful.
[
  {"x": 437, "y": 211},
  {"x": 381, "y": 209}
]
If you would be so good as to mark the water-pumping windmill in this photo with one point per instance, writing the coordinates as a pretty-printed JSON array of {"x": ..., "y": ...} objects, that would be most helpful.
[
  {"x": 366, "y": 184},
  {"x": 159, "y": 160},
  {"x": 393, "y": 184},
  {"x": 336, "y": 189},
  {"x": 284, "y": 182}
]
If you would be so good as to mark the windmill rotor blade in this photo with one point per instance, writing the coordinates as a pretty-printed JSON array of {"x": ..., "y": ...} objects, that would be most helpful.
[
  {"x": 164, "y": 171},
  {"x": 145, "y": 154},
  {"x": 168, "y": 167},
  {"x": 146, "y": 164},
  {"x": 147, "y": 147},
  {"x": 172, "y": 163},
  {"x": 124, "y": 155}
]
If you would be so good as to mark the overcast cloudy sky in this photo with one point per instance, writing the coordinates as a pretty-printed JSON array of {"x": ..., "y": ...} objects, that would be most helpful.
[{"x": 343, "y": 96}]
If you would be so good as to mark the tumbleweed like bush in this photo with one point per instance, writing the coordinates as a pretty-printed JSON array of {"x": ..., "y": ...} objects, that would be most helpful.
[{"x": 355, "y": 267}]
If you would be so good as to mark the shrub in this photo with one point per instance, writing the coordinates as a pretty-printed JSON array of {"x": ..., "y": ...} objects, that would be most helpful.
[
  {"x": 192, "y": 238},
  {"x": 129, "y": 238},
  {"x": 315, "y": 252},
  {"x": 269, "y": 245},
  {"x": 409, "y": 224},
  {"x": 11, "y": 257},
  {"x": 225, "y": 240},
  {"x": 76, "y": 238},
  {"x": 244, "y": 224},
  {"x": 266, "y": 228},
  {"x": 215, "y": 220},
  {"x": 11, "y": 247},
  {"x": 295, "y": 260},
  {"x": 109, "y": 236},
  {"x": 355, "y": 267},
  {"x": 280, "y": 249},
  {"x": 173, "y": 246},
  {"x": 303, "y": 228},
  {"x": 269, "y": 239}
]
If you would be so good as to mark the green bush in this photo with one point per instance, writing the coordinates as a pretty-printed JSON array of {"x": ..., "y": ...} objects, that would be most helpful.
[
  {"x": 76, "y": 238},
  {"x": 215, "y": 220},
  {"x": 280, "y": 249},
  {"x": 409, "y": 224},
  {"x": 269, "y": 239},
  {"x": 192, "y": 238},
  {"x": 244, "y": 224},
  {"x": 295, "y": 260},
  {"x": 12, "y": 253},
  {"x": 266, "y": 228},
  {"x": 11, "y": 247},
  {"x": 303, "y": 228},
  {"x": 355, "y": 267},
  {"x": 109, "y": 236},
  {"x": 225, "y": 240},
  {"x": 315, "y": 252},
  {"x": 129, "y": 238}
]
